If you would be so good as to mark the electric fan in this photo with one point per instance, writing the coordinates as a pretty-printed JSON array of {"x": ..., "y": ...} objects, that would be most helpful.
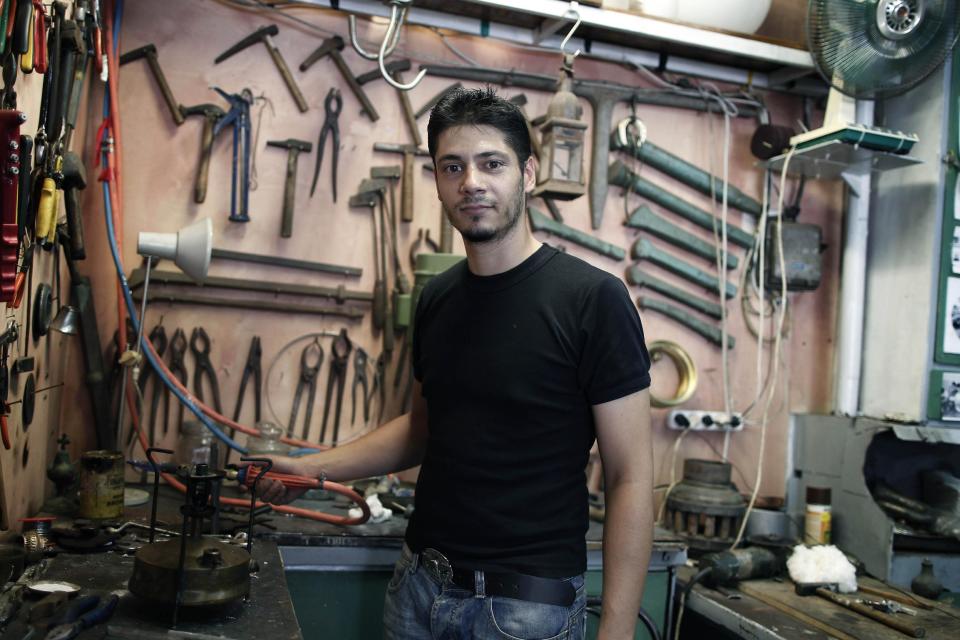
[{"x": 874, "y": 49}]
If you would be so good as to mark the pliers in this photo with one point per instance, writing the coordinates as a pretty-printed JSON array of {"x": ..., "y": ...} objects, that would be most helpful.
[
  {"x": 359, "y": 379},
  {"x": 379, "y": 383},
  {"x": 74, "y": 624},
  {"x": 308, "y": 380},
  {"x": 178, "y": 349},
  {"x": 333, "y": 104},
  {"x": 341, "y": 348},
  {"x": 250, "y": 368},
  {"x": 423, "y": 235},
  {"x": 200, "y": 346}
]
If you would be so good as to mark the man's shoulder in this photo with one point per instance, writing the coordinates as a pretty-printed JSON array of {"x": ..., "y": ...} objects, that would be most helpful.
[{"x": 574, "y": 273}]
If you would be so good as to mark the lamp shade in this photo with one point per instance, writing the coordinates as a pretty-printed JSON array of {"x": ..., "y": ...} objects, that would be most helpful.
[{"x": 189, "y": 248}]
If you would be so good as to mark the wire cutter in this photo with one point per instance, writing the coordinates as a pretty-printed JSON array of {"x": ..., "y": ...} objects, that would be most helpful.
[
  {"x": 250, "y": 368},
  {"x": 308, "y": 380},
  {"x": 359, "y": 379},
  {"x": 330, "y": 125},
  {"x": 338, "y": 376},
  {"x": 200, "y": 346}
]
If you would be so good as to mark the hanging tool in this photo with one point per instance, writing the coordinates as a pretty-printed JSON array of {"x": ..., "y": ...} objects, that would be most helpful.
[
  {"x": 369, "y": 196},
  {"x": 211, "y": 116},
  {"x": 158, "y": 338},
  {"x": 379, "y": 187},
  {"x": 423, "y": 236},
  {"x": 623, "y": 177},
  {"x": 645, "y": 219},
  {"x": 40, "y": 23},
  {"x": 333, "y": 105},
  {"x": 255, "y": 304},
  {"x": 177, "y": 366},
  {"x": 280, "y": 261},
  {"x": 687, "y": 173},
  {"x": 432, "y": 102},
  {"x": 149, "y": 53},
  {"x": 294, "y": 149},
  {"x": 74, "y": 178},
  {"x": 239, "y": 118},
  {"x": 26, "y": 56},
  {"x": 251, "y": 368},
  {"x": 10, "y": 235},
  {"x": 265, "y": 35},
  {"x": 638, "y": 277},
  {"x": 360, "y": 359},
  {"x": 540, "y": 222},
  {"x": 310, "y": 360},
  {"x": 340, "y": 355},
  {"x": 25, "y": 189},
  {"x": 392, "y": 174},
  {"x": 332, "y": 47},
  {"x": 380, "y": 384},
  {"x": 674, "y": 312},
  {"x": 643, "y": 249},
  {"x": 409, "y": 152},
  {"x": 200, "y": 347},
  {"x": 398, "y": 13}
]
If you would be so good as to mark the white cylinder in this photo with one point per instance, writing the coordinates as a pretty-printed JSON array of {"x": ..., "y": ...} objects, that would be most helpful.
[
  {"x": 158, "y": 245},
  {"x": 853, "y": 282}
]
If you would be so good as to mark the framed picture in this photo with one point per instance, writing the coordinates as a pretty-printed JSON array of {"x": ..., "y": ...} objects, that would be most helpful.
[
  {"x": 943, "y": 402},
  {"x": 950, "y": 320},
  {"x": 955, "y": 252}
]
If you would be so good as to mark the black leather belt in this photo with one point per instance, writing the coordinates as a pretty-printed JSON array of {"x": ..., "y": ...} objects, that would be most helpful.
[{"x": 519, "y": 586}]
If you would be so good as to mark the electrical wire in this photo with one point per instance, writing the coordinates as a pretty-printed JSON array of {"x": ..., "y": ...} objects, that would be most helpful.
[
  {"x": 673, "y": 473},
  {"x": 775, "y": 358}
]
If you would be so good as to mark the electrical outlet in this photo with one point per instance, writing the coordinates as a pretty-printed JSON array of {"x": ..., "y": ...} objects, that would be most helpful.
[{"x": 681, "y": 420}]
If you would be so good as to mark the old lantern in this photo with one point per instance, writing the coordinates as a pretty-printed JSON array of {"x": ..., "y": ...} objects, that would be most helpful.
[{"x": 561, "y": 174}]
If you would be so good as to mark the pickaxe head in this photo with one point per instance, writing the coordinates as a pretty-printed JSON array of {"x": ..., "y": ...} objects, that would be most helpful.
[
  {"x": 291, "y": 144},
  {"x": 260, "y": 35},
  {"x": 374, "y": 186},
  {"x": 146, "y": 51}
]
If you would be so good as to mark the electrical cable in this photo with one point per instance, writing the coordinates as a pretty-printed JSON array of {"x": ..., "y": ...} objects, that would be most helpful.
[
  {"x": 775, "y": 357},
  {"x": 700, "y": 575},
  {"x": 673, "y": 474}
]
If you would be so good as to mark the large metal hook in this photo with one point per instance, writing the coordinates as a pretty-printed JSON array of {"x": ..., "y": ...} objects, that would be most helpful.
[
  {"x": 575, "y": 10},
  {"x": 398, "y": 13}
]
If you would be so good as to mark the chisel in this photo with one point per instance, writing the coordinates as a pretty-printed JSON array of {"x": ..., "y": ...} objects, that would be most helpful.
[
  {"x": 645, "y": 219},
  {"x": 673, "y": 312},
  {"x": 638, "y": 277},
  {"x": 643, "y": 249}
]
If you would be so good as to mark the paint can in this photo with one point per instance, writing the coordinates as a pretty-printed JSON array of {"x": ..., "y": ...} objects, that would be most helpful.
[{"x": 101, "y": 485}]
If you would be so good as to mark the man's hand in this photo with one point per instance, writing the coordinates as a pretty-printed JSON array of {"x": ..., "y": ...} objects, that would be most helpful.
[{"x": 274, "y": 491}]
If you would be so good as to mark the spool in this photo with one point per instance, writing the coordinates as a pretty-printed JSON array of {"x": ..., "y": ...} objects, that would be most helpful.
[{"x": 101, "y": 485}]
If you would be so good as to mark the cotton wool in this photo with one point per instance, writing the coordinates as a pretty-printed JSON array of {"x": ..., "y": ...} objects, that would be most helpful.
[{"x": 822, "y": 563}]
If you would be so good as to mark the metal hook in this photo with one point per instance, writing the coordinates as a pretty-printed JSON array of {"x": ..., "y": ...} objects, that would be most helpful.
[
  {"x": 575, "y": 10},
  {"x": 352, "y": 19},
  {"x": 398, "y": 14}
]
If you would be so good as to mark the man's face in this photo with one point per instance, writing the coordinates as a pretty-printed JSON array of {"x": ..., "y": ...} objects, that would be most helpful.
[{"x": 480, "y": 182}]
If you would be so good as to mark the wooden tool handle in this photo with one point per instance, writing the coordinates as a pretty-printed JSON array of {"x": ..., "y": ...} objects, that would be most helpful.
[{"x": 406, "y": 189}]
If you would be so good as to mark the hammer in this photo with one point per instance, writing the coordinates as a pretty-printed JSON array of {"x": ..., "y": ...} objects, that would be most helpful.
[
  {"x": 828, "y": 591},
  {"x": 265, "y": 35},
  {"x": 149, "y": 52},
  {"x": 74, "y": 178},
  {"x": 211, "y": 113},
  {"x": 395, "y": 70},
  {"x": 294, "y": 147},
  {"x": 406, "y": 184},
  {"x": 332, "y": 47}
]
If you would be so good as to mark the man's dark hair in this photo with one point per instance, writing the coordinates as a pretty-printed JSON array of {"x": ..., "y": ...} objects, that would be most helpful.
[{"x": 479, "y": 107}]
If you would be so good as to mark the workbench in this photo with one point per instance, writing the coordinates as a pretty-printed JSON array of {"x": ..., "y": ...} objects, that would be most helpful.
[
  {"x": 266, "y": 613},
  {"x": 337, "y": 576},
  {"x": 770, "y": 610}
]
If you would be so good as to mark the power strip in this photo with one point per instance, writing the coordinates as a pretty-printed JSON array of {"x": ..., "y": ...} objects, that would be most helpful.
[{"x": 681, "y": 420}]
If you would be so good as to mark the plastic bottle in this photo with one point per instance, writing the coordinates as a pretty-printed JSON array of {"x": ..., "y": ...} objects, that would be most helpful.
[{"x": 816, "y": 522}]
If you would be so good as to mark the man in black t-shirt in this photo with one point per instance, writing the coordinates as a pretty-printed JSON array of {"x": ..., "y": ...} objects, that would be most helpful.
[{"x": 522, "y": 357}]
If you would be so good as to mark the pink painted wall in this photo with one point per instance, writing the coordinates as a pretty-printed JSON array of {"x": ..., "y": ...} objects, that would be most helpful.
[{"x": 160, "y": 159}]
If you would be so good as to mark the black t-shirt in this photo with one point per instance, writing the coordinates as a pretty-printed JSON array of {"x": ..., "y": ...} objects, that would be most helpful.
[{"x": 510, "y": 365}]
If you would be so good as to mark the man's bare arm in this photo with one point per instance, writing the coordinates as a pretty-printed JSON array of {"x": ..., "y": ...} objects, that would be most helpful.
[
  {"x": 394, "y": 446},
  {"x": 623, "y": 436}
]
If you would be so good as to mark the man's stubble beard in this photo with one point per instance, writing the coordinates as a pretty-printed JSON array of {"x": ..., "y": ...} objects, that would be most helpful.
[{"x": 480, "y": 236}]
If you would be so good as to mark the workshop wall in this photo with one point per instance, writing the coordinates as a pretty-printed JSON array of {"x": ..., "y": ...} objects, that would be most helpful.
[
  {"x": 159, "y": 161},
  {"x": 23, "y": 483}
]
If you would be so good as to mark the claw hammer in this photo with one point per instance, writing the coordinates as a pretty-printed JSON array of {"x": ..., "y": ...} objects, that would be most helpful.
[{"x": 294, "y": 148}]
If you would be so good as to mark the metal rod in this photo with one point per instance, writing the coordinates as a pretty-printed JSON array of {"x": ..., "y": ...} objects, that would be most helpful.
[{"x": 278, "y": 261}]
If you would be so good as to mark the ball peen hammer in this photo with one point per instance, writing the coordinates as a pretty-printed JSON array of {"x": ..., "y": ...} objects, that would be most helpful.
[
  {"x": 406, "y": 183},
  {"x": 149, "y": 52},
  {"x": 294, "y": 148},
  {"x": 265, "y": 35}
]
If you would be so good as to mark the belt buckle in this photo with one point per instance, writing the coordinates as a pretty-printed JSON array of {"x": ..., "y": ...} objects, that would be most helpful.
[{"x": 437, "y": 564}]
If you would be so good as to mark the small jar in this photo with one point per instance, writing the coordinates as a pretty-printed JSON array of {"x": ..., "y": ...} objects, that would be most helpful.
[
  {"x": 268, "y": 442},
  {"x": 195, "y": 444},
  {"x": 816, "y": 522}
]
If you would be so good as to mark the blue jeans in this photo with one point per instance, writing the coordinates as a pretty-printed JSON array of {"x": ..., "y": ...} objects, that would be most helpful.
[{"x": 419, "y": 606}]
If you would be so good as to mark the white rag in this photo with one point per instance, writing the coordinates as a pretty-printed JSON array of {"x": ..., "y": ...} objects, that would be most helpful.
[
  {"x": 378, "y": 513},
  {"x": 822, "y": 563}
]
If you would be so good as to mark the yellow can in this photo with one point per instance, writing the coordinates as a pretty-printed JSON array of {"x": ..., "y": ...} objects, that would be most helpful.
[{"x": 101, "y": 485}]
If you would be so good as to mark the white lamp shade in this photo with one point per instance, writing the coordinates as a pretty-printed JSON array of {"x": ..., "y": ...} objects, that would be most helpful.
[{"x": 189, "y": 248}]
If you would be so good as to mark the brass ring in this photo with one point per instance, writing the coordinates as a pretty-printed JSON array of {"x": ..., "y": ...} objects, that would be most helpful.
[{"x": 685, "y": 368}]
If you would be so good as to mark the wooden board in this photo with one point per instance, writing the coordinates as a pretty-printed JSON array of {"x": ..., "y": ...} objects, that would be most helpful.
[{"x": 937, "y": 622}]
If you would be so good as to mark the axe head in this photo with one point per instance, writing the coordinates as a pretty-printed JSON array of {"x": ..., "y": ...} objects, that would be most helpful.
[
  {"x": 257, "y": 36},
  {"x": 147, "y": 50}
]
